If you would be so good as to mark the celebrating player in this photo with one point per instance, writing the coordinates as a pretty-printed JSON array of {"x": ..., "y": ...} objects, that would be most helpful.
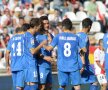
[
  {"x": 45, "y": 73},
  {"x": 15, "y": 48},
  {"x": 67, "y": 61},
  {"x": 87, "y": 75},
  {"x": 99, "y": 61}
]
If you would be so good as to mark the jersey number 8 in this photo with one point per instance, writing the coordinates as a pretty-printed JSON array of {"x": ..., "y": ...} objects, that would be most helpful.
[{"x": 67, "y": 49}]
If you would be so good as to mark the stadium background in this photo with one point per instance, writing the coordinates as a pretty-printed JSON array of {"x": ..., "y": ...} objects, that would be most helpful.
[{"x": 56, "y": 10}]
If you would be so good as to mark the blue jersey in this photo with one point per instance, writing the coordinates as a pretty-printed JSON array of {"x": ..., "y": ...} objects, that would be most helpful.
[
  {"x": 85, "y": 40},
  {"x": 67, "y": 44},
  {"x": 16, "y": 48},
  {"x": 42, "y": 62},
  {"x": 105, "y": 45},
  {"x": 30, "y": 59}
]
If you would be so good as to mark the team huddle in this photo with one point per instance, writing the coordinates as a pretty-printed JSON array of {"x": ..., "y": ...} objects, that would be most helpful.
[{"x": 30, "y": 52}]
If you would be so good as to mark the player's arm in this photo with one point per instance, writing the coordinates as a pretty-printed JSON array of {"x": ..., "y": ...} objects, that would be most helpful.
[
  {"x": 98, "y": 63},
  {"x": 97, "y": 59},
  {"x": 36, "y": 50},
  {"x": 82, "y": 55},
  {"x": 47, "y": 58},
  {"x": 7, "y": 57},
  {"x": 52, "y": 44}
]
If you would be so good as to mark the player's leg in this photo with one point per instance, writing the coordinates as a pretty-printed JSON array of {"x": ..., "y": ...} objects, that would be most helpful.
[
  {"x": 75, "y": 79},
  {"x": 63, "y": 78},
  {"x": 88, "y": 76},
  {"x": 106, "y": 70},
  {"x": 31, "y": 79},
  {"x": 49, "y": 80},
  {"x": 20, "y": 80},
  {"x": 102, "y": 81},
  {"x": 14, "y": 79},
  {"x": 43, "y": 73}
]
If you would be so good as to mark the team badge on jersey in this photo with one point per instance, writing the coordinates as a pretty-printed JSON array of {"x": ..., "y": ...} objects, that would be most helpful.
[{"x": 32, "y": 41}]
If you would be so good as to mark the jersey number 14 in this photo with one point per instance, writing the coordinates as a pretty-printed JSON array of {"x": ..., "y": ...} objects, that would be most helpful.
[{"x": 17, "y": 51}]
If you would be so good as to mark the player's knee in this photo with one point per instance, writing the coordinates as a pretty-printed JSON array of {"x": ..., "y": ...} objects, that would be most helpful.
[
  {"x": 18, "y": 88},
  {"x": 48, "y": 86},
  {"x": 77, "y": 87},
  {"x": 62, "y": 86},
  {"x": 42, "y": 87},
  {"x": 31, "y": 83},
  {"x": 95, "y": 83},
  {"x": 104, "y": 85}
]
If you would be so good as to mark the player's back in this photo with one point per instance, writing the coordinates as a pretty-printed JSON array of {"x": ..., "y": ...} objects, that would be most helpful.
[
  {"x": 16, "y": 47},
  {"x": 67, "y": 44},
  {"x": 43, "y": 51},
  {"x": 85, "y": 40},
  {"x": 30, "y": 59}
]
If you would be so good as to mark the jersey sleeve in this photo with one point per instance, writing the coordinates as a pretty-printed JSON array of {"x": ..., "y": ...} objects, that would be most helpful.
[
  {"x": 54, "y": 41},
  {"x": 9, "y": 45},
  {"x": 96, "y": 55},
  {"x": 80, "y": 43},
  {"x": 31, "y": 43}
]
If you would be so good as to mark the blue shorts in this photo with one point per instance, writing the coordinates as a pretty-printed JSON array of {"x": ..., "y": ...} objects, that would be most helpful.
[
  {"x": 106, "y": 70},
  {"x": 31, "y": 75},
  {"x": 45, "y": 75},
  {"x": 63, "y": 78},
  {"x": 18, "y": 78},
  {"x": 88, "y": 76}
]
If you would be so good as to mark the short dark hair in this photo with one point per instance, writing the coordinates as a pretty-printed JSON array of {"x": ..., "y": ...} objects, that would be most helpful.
[
  {"x": 67, "y": 24},
  {"x": 25, "y": 27},
  {"x": 86, "y": 22},
  {"x": 34, "y": 22},
  {"x": 42, "y": 18},
  {"x": 18, "y": 29},
  {"x": 100, "y": 41}
]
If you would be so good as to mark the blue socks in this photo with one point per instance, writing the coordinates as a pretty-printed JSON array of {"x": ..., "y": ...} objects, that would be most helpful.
[
  {"x": 61, "y": 89},
  {"x": 93, "y": 87}
]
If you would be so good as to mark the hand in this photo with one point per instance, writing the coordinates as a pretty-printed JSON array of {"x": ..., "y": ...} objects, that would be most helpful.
[
  {"x": 48, "y": 58},
  {"x": 8, "y": 69},
  {"x": 49, "y": 38},
  {"x": 81, "y": 71},
  {"x": 44, "y": 42}
]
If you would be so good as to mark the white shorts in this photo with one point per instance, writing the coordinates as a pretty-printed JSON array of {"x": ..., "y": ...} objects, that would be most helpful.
[{"x": 101, "y": 79}]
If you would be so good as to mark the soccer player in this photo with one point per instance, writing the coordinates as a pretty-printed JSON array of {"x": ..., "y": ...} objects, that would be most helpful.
[
  {"x": 87, "y": 75},
  {"x": 31, "y": 48},
  {"x": 15, "y": 49},
  {"x": 67, "y": 61},
  {"x": 99, "y": 62},
  {"x": 45, "y": 73},
  {"x": 105, "y": 45}
]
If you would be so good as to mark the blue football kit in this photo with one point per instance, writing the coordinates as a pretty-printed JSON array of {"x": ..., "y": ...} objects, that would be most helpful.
[
  {"x": 30, "y": 61},
  {"x": 88, "y": 74},
  {"x": 105, "y": 45},
  {"x": 67, "y": 58},
  {"x": 45, "y": 75},
  {"x": 16, "y": 48}
]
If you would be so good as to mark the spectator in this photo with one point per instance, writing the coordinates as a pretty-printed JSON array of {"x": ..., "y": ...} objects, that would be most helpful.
[
  {"x": 16, "y": 16},
  {"x": 4, "y": 38},
  {"x": 92, "y": 10}
]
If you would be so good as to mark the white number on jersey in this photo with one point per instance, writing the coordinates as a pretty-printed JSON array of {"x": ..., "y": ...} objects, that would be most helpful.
[
  {"x": 35, "y": 75},
  {"x": 18, "y": 49},
  {"x": 67, "y": 49}
]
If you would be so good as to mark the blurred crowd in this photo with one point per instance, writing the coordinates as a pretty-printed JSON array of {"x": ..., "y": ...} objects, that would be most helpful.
[{"x": 14, "y": 13}]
